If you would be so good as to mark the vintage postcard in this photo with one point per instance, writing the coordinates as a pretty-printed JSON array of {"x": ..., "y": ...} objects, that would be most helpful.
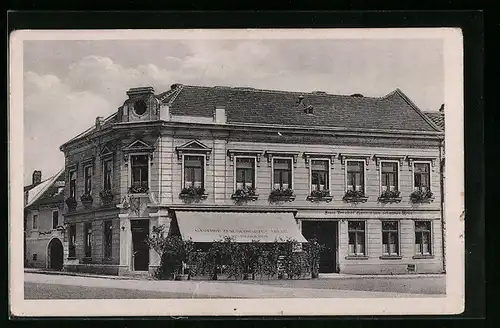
[{"x": 274, "y": 172}]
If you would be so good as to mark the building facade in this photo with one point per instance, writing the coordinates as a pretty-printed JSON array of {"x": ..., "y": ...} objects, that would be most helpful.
[
  {"x": 43, "y": 222},
  {"x": 362, "y": 175}
]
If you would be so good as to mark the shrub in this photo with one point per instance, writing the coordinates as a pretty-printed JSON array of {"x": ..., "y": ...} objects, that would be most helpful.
[
  {"x": 193, "y": 191},
  {"x": 320, "y": 193},
  {"x": 390, "y": 194},
  {"x": 86, "y": 198},
  {"x": 421, "y": 195},
  {"x": 354, "y": 194},
  {"x": 106, "y": 194}
]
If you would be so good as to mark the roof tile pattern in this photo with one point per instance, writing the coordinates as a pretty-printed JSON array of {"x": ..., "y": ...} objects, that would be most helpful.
[
  {"x": 392, "y": 112},
  {"x": 437, "y": 118}
]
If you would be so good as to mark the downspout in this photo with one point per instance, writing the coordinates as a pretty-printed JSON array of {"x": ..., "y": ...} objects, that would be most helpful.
[{"x": 443, "y": 221}]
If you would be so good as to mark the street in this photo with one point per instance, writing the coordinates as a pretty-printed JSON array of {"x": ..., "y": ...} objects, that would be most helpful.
[{"x": 45, "y": 286}]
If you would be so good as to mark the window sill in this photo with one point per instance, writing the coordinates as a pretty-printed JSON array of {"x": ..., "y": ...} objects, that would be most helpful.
[
  {"x": 356, "y": 257},
  {"x": 422, "y": 201},
  {"x": 421, "y": 257},
  {"x": 390, "y": 257},
  {"x": 85, "y": 260},
  {"x": 282, "y": 198},
  {"x": 390, "y": 200},
  {"x": 139, "y": 194},
  {"x": 244, "y": 198},
  {"x": 355, "y": 199},
  {"x": 186, "y": 196}
]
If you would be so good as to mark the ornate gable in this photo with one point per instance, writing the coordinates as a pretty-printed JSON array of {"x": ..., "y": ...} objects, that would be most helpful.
[
  {"x": 193, "y": 146},
  {"x": 138, "y": 146}
]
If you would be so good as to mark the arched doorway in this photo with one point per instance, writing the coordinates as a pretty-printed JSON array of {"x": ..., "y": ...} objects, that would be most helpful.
[{"x": 55, "y": 254}]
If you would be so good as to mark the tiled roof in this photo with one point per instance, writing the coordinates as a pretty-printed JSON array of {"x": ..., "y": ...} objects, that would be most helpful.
[
  {"x": 437, "y": 118},
  {"x": 246, "y": 105},
  {"x": 47, "y": 192}
]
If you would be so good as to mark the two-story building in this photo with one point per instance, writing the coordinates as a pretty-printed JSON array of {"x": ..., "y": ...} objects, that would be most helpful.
[
  {"x": 43, "y": 222},
  {"x": 360, "y": 174}
]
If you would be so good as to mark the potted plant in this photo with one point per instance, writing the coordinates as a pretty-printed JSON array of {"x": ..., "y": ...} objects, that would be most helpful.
[
  {"x": 193, "y": 192},
  {"x": 71, "y": 202},
  {"x": 282, "y": 194},
  {"x": 421, "y": 196},
  {"x": 320, "y": 195},
  {"x": 245, "y": 193},
  {"x": 389, "y": 196},
  {"x": 138, "y": 189},
  {"x": 86, "y": 200},
  {"x": 106, "y": 195},
  {"x": 355, "y": 196}
]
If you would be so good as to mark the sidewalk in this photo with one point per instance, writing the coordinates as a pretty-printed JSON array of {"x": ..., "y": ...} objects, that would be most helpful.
[{"x": 321, "y": 275}]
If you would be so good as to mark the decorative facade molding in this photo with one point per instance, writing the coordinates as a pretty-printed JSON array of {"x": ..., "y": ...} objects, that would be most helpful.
[
  {"x": 88, "y": 161},
  {"x": 137, "y": 146},
  {"x": 281, "y": 153},
  {"x": 193, "y": 147},
  {"x": 354, "y": 156},
  {"x": 309, "y": 155},
  {"x": 411, "y": 159},
  {"x": 105, "y": 152},
  {"x": 378, "y": 158},
  {"x": 240, "y": 152}
]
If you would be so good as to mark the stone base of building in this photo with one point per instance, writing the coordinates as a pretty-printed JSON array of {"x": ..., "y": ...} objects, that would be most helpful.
[{"x": 105, "y": 269}]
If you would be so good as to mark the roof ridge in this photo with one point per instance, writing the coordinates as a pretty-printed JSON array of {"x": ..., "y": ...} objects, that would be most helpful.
[
  {"x": 417, "y": 110},
  {"x": 50, "y": 181},
  {"x": 176, "y": 93}
]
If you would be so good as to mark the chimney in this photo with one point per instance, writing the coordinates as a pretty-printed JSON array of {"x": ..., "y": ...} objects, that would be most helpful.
[
  {"x": 37, "y": 177},
  {"x": 441, "y": 109},
  {"x": 164, "y": 112},
  {"x": 140, "y": 91},
  {"x": 220, "y": 115},
  {"x": 98, "y": 122}
]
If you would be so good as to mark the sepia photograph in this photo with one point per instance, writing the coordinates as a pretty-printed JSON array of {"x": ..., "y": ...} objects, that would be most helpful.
[{"x": 272, "y": 172}]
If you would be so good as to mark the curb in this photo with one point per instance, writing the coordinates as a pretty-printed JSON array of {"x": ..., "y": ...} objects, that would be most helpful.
[
  {"x": 78, "y": 274},
  {"x": 403, "y": 276}
]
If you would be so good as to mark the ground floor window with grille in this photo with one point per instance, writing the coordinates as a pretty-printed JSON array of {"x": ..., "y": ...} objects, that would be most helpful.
[
  {"x": 356, "y": 238},
  {"x": 72, "y": 241},
  {"x": 423, "y": 238},
  {"x": 108, "y": 238},
  {"x": 390, "y": 238},
  {"x": 88, "y": 239}
]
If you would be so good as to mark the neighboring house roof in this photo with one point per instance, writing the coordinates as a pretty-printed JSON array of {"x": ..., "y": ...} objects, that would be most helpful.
[
  {"x": 437, "y": 118},
  {"x": 246, "y": 105},
  {"x": 47, "y": 192}
]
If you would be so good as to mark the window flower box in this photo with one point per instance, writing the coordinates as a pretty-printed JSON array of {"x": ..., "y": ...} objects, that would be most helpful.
[
  {"x": 193, "y": 193},
  {"x": 320, "y": 195},
  {"x": 138, "y": 190},
  {"x": 282, "y": 195},
  {"x": 71, "y": 203},
  {"x": 421, "y": 196},
  {"x": 390, "y": 196},
  {"x": 106, "y": 196},
  {"x": 245, "y": 194},
  {"x": 87, "y": 200},
  {"x": 354, "y": 196}
]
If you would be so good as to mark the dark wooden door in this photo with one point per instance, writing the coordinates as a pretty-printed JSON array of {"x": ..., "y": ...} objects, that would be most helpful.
[
  {"x": 325, "y": 232},
  {"x": 56, "y": 254},
  {"x": 140, "y": 232}
]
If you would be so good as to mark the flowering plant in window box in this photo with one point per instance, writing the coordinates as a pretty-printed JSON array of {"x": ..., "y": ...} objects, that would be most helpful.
[
  {"x": 138, "y": 189},
  {"x": 106, "y": 195},
  {"x": 355, "y": 196},
  {"x": 389, "y": 196},
  {"x": 245, "y": 193},
  {"x": 320, "y": 195},
  {"x": 422, "y": 196},
  {"x": 71, "y": 202},
  {"x": 86, "y": 199},
  {"x": 193, "y": 192},
  {"x": 282, "y": 195}
]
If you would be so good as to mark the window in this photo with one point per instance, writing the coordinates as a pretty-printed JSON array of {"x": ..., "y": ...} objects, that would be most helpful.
[
  {"x": 282, "y": 173},
  {"x": 356, "y": 176},
  {"x": 88, "y": 239},
  {"x": 55, "y": 219},
  {"x": 319, "y": 175},
  {"x": 108, "y": 238},
  {"x": 194, "y": 172},
  {"x": 356, "y": 238},
  {"x": 389, "y": 176},
  {"x": 72, "y": 184},
  {"x": 245, "y": 173},
  {"x": 35, "y": 221},
  {"x": 35, "y": 257},
  {"x": 140, "y": 171},
  {"x": 72, "y": 241},
  {"x": 421, "y": 177},
  {"x": 423, "y": 237},
  {"x": 390, "y": 238},
  {"x": 88, "y": 179},
  {"x": 107, "y": 168}
]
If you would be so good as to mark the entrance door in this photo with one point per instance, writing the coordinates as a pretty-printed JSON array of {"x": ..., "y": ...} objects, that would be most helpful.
[
  {"x": 140, "y": 232},
  {"x": 55, "y": 255},
  {"x": 325, "y": 232}
]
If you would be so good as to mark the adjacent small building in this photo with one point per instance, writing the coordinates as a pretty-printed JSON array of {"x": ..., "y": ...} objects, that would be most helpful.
[
  {"x": 360, "y": 174},
  {"x": 43, "y": 222}
]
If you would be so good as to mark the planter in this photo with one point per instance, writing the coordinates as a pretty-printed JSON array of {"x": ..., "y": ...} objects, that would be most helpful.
[
  {"x": 422, "y": 200},
  {"x": 87, "y": 203},
  {"x": 107, "y": 200},
  {"x": 71, "y": 203},
  {"x": 282, "y": 198},
  {"x": 244, "y": 198},
  {"x": 355, "y": 199},
  {"x": 389, "y": 199},
  {"x": 317, "y": 199},
  {"x": 194, "y": 197}
]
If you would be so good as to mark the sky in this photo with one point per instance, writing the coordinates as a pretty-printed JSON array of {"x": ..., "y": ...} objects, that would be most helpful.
[{"x": 68, "y": 83}]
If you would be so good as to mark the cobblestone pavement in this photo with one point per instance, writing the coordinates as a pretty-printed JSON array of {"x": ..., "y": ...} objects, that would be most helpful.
[{"x": 42, "y": 286}]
